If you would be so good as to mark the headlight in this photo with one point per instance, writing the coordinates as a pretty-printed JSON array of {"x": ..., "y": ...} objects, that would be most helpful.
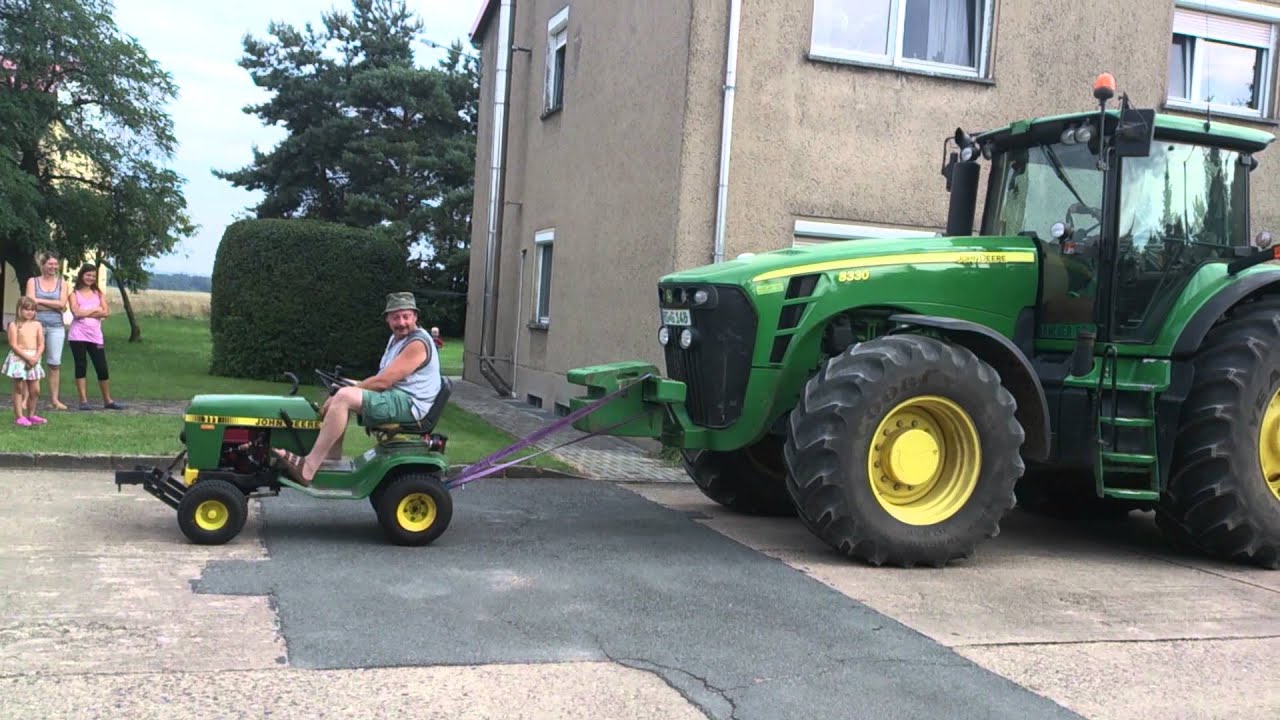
[
  {"x": 1068, "y": 136},
  {"x": 1084, "y": 134},
  {"x": 686, "y": 338},
  {"x": 700, "y": 296},
  {"x": 664, "y": 335},
  {"x": 969, "y": 153}
]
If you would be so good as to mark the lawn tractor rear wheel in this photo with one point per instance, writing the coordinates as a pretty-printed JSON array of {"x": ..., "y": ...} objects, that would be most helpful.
[
  {"x": 415, "y": 509},
  {"x": 212, "y": 512},
  {"x": 904, "y": 450},
  {"x": 750, "y": 480},
  {"x": 1223, "y": 495}
]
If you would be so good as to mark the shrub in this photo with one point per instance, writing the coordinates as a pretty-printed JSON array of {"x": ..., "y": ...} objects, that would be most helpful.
[{"x": 293, "y": 295}]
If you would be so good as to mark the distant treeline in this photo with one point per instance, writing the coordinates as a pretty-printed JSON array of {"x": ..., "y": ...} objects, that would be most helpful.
[{"x": 179, "y": 281}]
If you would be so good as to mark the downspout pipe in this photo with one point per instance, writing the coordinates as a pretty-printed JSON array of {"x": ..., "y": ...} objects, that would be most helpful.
[
  {"x": 726, "y": 128},
  {"x": 497, "y": 179}
]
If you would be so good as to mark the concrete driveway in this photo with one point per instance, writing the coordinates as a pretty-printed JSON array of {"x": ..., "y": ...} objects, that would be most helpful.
[
  {"x": 575, "y": 599},
  {"x": 1104, "y": 619}
]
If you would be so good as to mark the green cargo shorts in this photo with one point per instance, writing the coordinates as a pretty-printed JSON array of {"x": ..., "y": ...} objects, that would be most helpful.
[{"x": 386, "y": 407}]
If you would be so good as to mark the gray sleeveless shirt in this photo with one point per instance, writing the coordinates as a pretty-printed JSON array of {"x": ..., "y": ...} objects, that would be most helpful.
[
  {"x": 48, "y": 318},
  {"x": 423, "y": 384}
]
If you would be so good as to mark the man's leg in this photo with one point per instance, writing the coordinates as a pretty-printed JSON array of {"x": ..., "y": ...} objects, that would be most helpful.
[{"x": 334, "y": 426}]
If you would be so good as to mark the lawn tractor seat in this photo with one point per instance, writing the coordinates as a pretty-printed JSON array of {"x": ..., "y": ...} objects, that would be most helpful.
[{"x": 424, "y": 426}]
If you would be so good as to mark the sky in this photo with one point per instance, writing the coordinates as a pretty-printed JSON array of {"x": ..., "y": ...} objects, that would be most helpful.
[{"x": 200, "y": 44}]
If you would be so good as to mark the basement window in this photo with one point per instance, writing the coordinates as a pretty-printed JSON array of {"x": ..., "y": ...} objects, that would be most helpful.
[{"x": 820, "y": 232}]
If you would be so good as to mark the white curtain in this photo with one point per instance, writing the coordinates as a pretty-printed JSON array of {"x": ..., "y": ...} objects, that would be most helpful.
[{"x": 949, "y": 32}]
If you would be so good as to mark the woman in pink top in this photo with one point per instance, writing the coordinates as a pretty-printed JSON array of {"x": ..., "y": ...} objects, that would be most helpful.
[{"x": 89, "y": 307}]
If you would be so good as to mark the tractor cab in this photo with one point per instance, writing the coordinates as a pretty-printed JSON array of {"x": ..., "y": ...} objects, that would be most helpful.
[{"x": 1125, "y": 207}]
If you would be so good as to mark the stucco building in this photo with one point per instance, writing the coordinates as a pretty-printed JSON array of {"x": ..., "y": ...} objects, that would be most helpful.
[{"x": 620, "y": 141}]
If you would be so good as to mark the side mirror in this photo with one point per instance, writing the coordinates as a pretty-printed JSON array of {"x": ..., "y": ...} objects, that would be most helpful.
[{"x": 1135, "y": 132}]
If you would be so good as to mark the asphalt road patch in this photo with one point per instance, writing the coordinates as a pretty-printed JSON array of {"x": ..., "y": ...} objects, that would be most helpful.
[{"x": 569, "y": 570}]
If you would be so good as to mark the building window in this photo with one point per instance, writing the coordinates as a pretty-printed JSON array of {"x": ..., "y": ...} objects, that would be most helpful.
[
  {"x": 947, "y": 37},
  {"x": 1220, "y": 57},
  {"x": 543, "y": 243},
  {"x": 820, "y": 232},
  {"x": 557, "y": 42}
]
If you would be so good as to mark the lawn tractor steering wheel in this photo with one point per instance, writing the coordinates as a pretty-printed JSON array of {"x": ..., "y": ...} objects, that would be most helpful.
[{"x": 333, "y": 381}]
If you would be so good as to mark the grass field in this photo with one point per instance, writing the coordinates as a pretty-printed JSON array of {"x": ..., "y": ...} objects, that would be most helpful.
[
  {"x": 169, "y": 366},
  {"x": 163, "y": 303}
]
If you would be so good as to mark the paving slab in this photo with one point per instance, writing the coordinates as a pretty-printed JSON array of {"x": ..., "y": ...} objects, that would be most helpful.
[
  {"x": 92, "y": 580},
  {"x": 600, "y": 457},
  {"x": 1101, "y": 618},
  {"x": 568, "y": 691}
]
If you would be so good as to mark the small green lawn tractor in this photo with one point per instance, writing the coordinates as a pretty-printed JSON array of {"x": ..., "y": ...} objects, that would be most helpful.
[
  {"x": 1108, "y": 341},
  {"x": 228, "y": 460}
]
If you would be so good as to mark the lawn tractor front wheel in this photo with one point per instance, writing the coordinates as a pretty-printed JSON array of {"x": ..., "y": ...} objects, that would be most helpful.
[
  {"x": 749, "y": 480},
  {"x": 1223, "y": 495},
  {"x": 212, "y": 512},
  {"x": 904, "y": 450},
  {"x": 415, "y": 509}
]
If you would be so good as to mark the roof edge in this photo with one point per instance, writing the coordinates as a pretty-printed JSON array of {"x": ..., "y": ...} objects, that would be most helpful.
[{"x": 482, "y": 20}]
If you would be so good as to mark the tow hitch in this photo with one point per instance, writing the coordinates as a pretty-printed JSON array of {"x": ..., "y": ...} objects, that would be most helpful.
[{"x": 160, "y": 483}]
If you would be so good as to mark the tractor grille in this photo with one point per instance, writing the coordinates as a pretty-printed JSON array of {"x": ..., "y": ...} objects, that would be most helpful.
[{"x": 716, "y": 369}]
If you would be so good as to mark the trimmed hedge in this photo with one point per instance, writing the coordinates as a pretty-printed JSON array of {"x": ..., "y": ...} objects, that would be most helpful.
[{"x": 295, "y": 295}]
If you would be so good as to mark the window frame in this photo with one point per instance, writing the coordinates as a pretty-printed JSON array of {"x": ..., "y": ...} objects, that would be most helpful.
[
  {"x": 542, "y": 241},
  {"x": 1194, "y": 68},
  {"x": 820, "y": 232},
  {"x": 553, "y": 81},
  {"x": 893, "y": 58}
]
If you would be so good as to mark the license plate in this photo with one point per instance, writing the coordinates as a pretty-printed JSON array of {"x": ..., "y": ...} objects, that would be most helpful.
[{"x": 676, "y": 317}]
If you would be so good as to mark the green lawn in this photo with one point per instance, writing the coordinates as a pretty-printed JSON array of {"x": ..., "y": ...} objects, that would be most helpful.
[
  {"x": 470, "y": 438},
  {"x": 171, "y": 364}
]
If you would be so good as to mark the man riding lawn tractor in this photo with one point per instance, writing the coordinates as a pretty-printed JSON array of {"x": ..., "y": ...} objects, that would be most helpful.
[
  {"x": 1106, "y": 342},
  {"x": 406, "y": 385}
]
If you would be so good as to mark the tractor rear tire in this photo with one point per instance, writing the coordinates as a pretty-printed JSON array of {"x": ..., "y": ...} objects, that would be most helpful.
[
  {"x": 937, "y": 427},
  {"x": 415, "y": 509},
  {"x": 1223, "y": 495},
  {"x": 751, "y": 480},
  {"x": 212, "y": 512}
]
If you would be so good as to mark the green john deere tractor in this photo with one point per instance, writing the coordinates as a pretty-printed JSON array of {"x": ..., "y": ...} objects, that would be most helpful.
[{"x": 1109, "y": 340}]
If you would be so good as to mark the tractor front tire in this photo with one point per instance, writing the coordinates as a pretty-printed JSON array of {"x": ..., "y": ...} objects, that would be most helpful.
[
  {"x": 415, "y": 509},
  {"x": 212, "y": 512},
  {"x": 750, "y": 480},
  {"x": 904, "y": 450},
  {"x": 1223, "y": 495}
]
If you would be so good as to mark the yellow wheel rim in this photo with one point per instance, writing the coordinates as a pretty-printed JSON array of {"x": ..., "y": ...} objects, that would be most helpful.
[
  {"x": 416, "y": 512},
  {"x": 924, "y": 460},
  {"x": 211, "y": 515},
  {"x": 1269, "y": 446}
]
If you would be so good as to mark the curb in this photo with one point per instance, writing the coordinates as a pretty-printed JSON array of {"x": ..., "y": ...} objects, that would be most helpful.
[{"x": 66, "y": 461}]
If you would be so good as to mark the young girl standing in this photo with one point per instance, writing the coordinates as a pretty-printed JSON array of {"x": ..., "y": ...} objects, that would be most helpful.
[{"x": 22, "y": 364}]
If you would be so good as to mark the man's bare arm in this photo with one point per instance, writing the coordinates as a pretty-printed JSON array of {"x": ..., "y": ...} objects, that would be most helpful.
[{"x": 409, "y": 359}]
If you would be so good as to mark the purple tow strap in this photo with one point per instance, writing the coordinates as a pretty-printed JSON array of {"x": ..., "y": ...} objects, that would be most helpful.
[{"x": 485, "y": 466}]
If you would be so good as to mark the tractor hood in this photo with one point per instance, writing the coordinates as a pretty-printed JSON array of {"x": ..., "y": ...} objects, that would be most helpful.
[
  {"x": 250, "y": 410},
  {"x": 753, "y": 270}
]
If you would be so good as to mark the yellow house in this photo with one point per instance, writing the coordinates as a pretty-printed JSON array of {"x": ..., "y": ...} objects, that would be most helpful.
[{"x": 75, "y": 166}]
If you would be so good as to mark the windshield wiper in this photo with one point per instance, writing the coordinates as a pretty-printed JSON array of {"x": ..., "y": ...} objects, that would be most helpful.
[{"x": 1062, "y": 175}]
